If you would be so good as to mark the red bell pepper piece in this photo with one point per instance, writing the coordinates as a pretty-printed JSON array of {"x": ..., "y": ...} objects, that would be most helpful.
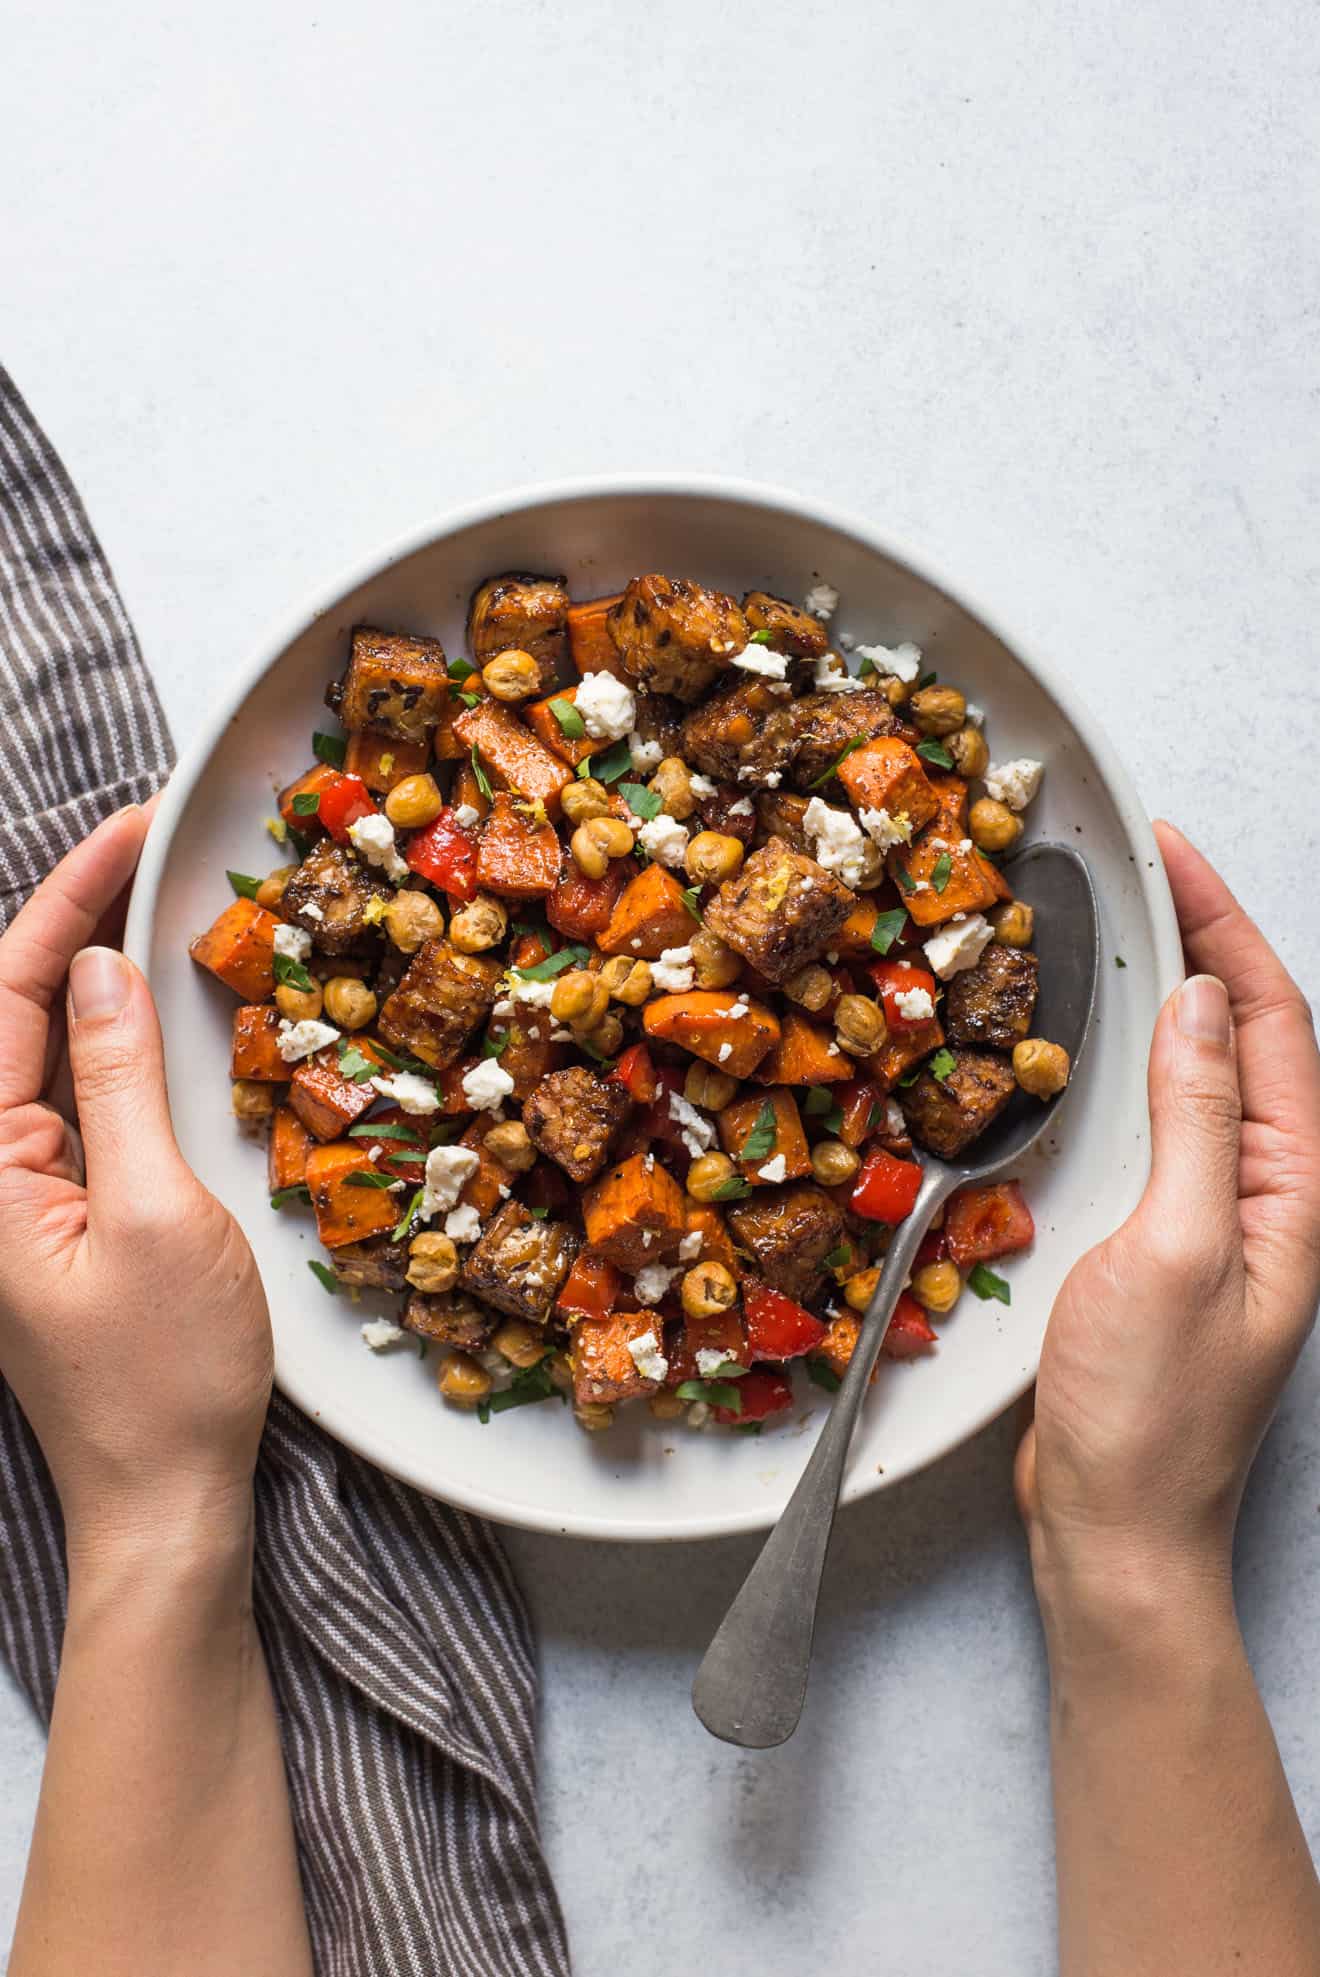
[
  {"x": 885, "y": 1189},
  {"x": 592, "y": 1287},
  {"x": 636, "y": 1073},
  {"x": 983, "y": 1222},
  {"x": 895, "y": 978},
  {"x": 395, "y": 1159},
  {"x": 344, "y": 800},
  {"x": 445, "y": 855},
  {"x": 933, "y": 1248},
  {"x": 722, "y": 1332},
  {"x": 761, "y": 1394},
  {"x": 660, "y": 1123},
  {"x": 909, "y": 1333},
  {"x": 864, "y": 1107},
  {"x": 777, "y": 1327}
]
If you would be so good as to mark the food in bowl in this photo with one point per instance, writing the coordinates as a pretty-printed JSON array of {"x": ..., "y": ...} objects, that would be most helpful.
[{"x": 617, "y": 972}]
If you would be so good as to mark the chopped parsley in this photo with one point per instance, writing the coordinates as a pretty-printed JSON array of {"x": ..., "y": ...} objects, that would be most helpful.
[
  {"x": 459, "y": 669},
  {"x": 1119, "y": 962},
  {"x": 388, "y": 1130},
  {"x": 330, "y": 749},
  {"x": 941, "y": 1065},
  {"x": 858, "y": 741},
  {"x": 942, "y": 871},
  {"x": 759, "y": 638},
  {"x": 568, "y": 718},
  {"x": 554, "y": 964},
  {"x": 822, "y": 1374},
  {"x": 245, "y": 887},
  {"x": 404, "y": 1223},
  {"x": 607, "y": 768},
  {"x": 482, "y": 779},
  {"x": 984, "y": 1283},
  {"x": 353, "y": 1065},
  {"x": 646, "y": 803},
  {"x": 470, "y": 699},
  {"x": 527, "y": 1387},
  {"x": 494, "y": 1042},
  {"x": 692, "y": 900},
  {"x": 306, "y": 803},
  {"x": 838, "y": 1256},
  {"x": 905, "y": 879},
  {"x": 291, "y": 973},
  {"x": 715, "y": 1393},
  {"x": 733, "y": 1189},
  {"x": 538, "y": 1214},
  {"x": 927, "y": 679},
  {"x": 936, "y": 752},
  {"x": 324, "y": 1276},
  {"x": 367, "y": 1177},
  {"x": 887, "y": 928},
  {"x": 747, "y": 1427},
  {"x": 820, "y": 1103},
  {"x": 761, "y": 1140},
  {"x": 910, "y": 1077},
  {"x": 300, "y": 1193}
]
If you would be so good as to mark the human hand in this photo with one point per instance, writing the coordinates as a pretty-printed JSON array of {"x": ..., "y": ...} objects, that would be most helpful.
[
  {"x": 1169, "y": 1343},
  {"x": 133, "y": 1325}
]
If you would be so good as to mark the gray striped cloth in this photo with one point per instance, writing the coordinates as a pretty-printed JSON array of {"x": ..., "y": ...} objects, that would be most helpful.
[{"x": 398, "y": 1644}]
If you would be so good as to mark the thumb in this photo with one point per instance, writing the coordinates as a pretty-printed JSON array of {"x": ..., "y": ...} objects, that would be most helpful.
[
  {"x": 118, "y": 1066},
  {"x": 1195, "y": 1109}
]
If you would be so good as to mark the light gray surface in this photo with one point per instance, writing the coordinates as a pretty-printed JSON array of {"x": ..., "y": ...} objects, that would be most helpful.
[{"x": 1034, "y": 287}]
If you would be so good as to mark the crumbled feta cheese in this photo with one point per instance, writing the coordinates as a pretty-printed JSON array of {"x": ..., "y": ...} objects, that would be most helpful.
[
  {"x": 899, "y": 662},
  {"x": 838, "y": 844},
  {"x": 975, "y": 714},
  {"x": 774, "y": 1170},
  {"x": 964, "y": 845},
  {"x": 690, "y": 1247},
  {"x": 647, "y": 1357},
  {"x": 773, "y": 780},
  {"x": 760, "y": 659},
  {"x": 467, "y": 815},
  {"x": 463, "y": 1224},
  {"x": 895, "y": 1123},
  {"x": 695, "y": 1129},
  {"x": 885, "y": 831},
  {"x": 414, "y": 1094},
  {"x": 915, "y": 1005},
  {"x": 299, "y": 1040},
  {"x": 674, "y": 971},
  {"x": 448, "y": 1170},
  {"x": 293, "y": 942},
  {"x": 700, "y": 785},
  {"x": 608, "y": 707},
  {"x": 822, "y": 600},
  {"x": 652, "y": 1281},
  {"x": 744, "y": 807},
  {"x": 373, "y": 836},
  {"x": 831, "y": 676},
  {"x": 664, "y": 839},
  {"x": 486, "y": 1085},
  {"x": 380, "y": 1334},
  {"x": 1015, "y": 783},
  {"x": 845, "y": 641},
  {"x": 645, "y": 754},
  {"x": 535, "y": 994},
  {"x": 709, "y": 1361},
  {"x": 959, "y": 945}
]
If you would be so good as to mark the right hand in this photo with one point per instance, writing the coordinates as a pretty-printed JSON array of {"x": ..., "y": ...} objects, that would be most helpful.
[
  {"x": 1170, "y": 1342},
  {"x": 133, "y": 1325}
]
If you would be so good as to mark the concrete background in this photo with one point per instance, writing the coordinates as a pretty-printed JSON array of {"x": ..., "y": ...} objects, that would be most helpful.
[{"x": 1036, "y": 288}]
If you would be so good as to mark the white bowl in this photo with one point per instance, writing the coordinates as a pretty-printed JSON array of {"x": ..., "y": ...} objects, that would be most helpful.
[{"x": 647, "y": 1479}]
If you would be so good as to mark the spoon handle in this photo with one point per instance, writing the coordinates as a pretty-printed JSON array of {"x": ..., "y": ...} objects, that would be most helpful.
[{"x": 751, "y": 1686}]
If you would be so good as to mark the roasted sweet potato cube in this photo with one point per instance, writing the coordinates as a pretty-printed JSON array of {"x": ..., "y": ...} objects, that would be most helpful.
[
  {"x": 239, "y": 950},
  {"x": 827, "y": 723},
  {"x": 725, "y": 1029},
  {"x": 519, "y": 1264},
  {"x": 780, "y": 911},
  {"x": 840, "y": 1342},
  {"x": 946, "y": 1114},
  {"x": 439, "y": 1002},
  {"x": 751, "y": 1118},
  {"x": 330, "y": 895},
  {"x": 546, "y": 725},
  {"x": 348, "y": 1210},
  {"x": 791, "y": 628},
  {"x": 310, "y": 783},
  {"x": 806, "y": 1054},
  {"x": 572, "y": 1116},
  {"x": 648, "y": 917},
  {"x": 705, "y": 1219},
  {"x": 395, "y": 683},
  {"x": 465, "y": 789},
  {"x": 452, "y": 1318},
  {"x": 492, "y": 1182},
  {"x": 380, "y": 761},
  {"x": 287, "y": 1150},
  {"x": 581, "y": 907},
  {"x": 590, "y": 641},
  {"x": 742, "y": 735},
  {"x": 604, "y": 1369},
  {"x": 902, "y": 1049},
  {"x": 992, "y": 1003},
  {"x": 790, "y": 1231},
  {"x": 940, "y": 875},
  {"x": 887, "y": 774},
  {"x": 529, "y": 614},
  {"x": 634, "y": 1214},
  {"x": 256, "y": 1045},
  {"x": 517, "y": 858},
  {"x": 445, "y": 743},
  {"x": 674, "y": 636},
  {"x": 376, "y": 1265},
  {"x": 326, "y": 1098},
  {"x": 513, "y": 756}
]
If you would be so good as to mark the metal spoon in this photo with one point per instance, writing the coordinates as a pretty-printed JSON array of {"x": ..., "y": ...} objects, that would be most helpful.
[{"x": 751, "y": 1686}]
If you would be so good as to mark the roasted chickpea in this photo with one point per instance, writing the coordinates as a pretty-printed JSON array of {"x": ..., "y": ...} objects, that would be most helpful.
[
  {"x": 716, "y": 965},
  {"x": 606, "y": 1036},
  {"x": 1041, "y": 1068},
  {"x": 522, "y": 1345},
  {"x": 594, "y": 843},
  {"x": 580, "y": 998},
  {"x": 583, "y": 800},
  {"x": 299, "y": 1005},
  {"x": 593, "y": 1416},
  {"x": 672, "y": 783},
  {"x": 708, "y": 1288},
  {"x": 627, "y": 981},
  {"x": 711, "y": 857},
  {"x": 833, "y": 1163},
  {"x": 413, "y": 802},
  {"x": 482, "y": 923},
  {"x": 707, "y": 1087},
  {"x": 432, "y": 1263},
  {"x": 511, "y": 675},
  {"x": 897, "y": 691},
  {"x": 937, "y": 1286},
  {"x": 1014, "y": 923},
  {"x": 860, "y": 1289},
  {"x": 859, "y": 1024},
  {"x": 666, "y": 1407},
  {"x": 509, "y": 1144},
  {"x": 938, "y": 710},
  {"x": 811, "y": 987},
  {"x": 992, "y": 825},
  {"x": 463, "y": 1379},
  {"x": 708, "y": 1174},
  {"x": 411, "y": 919},
  {"x": 349, "y": 1003},
  {"x": 252, "y": 1098},
  {"x": 272, "y": 888},
  {"x": 971, "y": 756}
]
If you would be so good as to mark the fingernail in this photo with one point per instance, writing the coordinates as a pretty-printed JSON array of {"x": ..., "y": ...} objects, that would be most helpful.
[
  {"x": 98, "y": 984},
  {"x": 1203, "y": 1011}
]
